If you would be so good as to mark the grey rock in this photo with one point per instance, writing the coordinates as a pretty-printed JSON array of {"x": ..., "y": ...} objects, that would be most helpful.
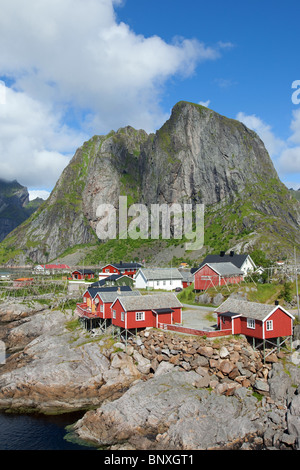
[
  {"x": 197, "y": 156},
  {"x": 261, "y": 386}
]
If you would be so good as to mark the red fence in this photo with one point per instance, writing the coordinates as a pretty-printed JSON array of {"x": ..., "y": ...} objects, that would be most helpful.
[{"x": 192, "y": 331}]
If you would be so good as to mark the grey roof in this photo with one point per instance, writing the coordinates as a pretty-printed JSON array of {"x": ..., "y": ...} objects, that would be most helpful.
[
  {"x": 237, "y": 260},
  {"x": 253, "y": 310},
  {"x": 150, "y": 302},
  {"x": 225, "y": 269},
  {"x": 96, "y": 287},
  {"x": 111, "y": 296},
  {"x": 83, "y": 271},
  {"x": 161, "y": 273},
  {"x": 187, "y": 276},
  {"x": 122, "y": 265}
]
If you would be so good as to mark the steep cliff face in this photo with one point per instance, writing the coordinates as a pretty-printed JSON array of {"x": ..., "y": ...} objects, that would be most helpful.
[
  {"x": 102, "y": 169},
  {"x": 202, "y": 156},
  {"x": 197, "y": 156}
]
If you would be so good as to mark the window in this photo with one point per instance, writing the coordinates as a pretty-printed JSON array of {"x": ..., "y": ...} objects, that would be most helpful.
[
  {"x": 107, "y": 270},
  {"x": 101, "y": 308},
  {"x": 114, "y": 314},
  {"x": 251, "y": 323},
  {"x": 140, "y": 316},
  {"x": 122, "y": 316},
  {"x": 269, "y": 325}
]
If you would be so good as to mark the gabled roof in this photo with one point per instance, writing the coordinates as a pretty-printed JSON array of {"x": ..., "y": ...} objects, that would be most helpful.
[
  {"x": 94, "y": 290},
  {"x": 113, "y": 277},
  {"x": 83, "y": 271},
  {"x": 160, "y": 273},
  {"x": 109, "y": 297},
  {"x": 56, "y": 266},
  {"x": 124, "y": 265},
  {"x": 236, "y": 259},
  {"x": 187, "y": 276},
  {"x": 150, "y": 302},
  {"x": 223, "y": 269},
  {"x": 247, "y": 309}
]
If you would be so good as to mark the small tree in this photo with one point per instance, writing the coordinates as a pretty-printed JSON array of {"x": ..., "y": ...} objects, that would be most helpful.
[{"x": 286, "y": 293}]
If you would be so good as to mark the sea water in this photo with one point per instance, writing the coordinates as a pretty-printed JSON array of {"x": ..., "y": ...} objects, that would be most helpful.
[{"x": 37, "y": 432}]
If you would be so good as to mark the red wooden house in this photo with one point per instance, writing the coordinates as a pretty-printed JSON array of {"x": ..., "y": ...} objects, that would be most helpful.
[
  {"x": 83, "y": 274},
  {"x": 104, "y": 301},
  {"x": 128, "y": 269},
  {"x": 146, "y": 311},
  {"x": 90, "y": 294},
  {"x": 255, "y": 320},
  {"x": 216, "y": 274},
  {"x": 89, "y": 309}
]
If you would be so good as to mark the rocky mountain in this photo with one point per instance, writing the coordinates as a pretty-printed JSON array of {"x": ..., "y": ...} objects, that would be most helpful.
[
  {"x": 198, "y": 156},
  {"x": 15, "y": 207}
]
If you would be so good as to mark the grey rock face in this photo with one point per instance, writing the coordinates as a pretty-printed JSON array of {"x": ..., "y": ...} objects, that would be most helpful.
[
  {"x": 201, "y": 156},
  {"x": 198, "y": 156}
]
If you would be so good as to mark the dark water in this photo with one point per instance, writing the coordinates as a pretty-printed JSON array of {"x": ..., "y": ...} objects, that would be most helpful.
[{"x": 37, "y": 432}]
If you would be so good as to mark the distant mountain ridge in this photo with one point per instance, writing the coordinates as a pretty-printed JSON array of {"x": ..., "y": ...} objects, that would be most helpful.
[
  {"x": 197, "y": 156},
  {"x": 15, "y": 206},
  {"x": 295, "y": 193}
]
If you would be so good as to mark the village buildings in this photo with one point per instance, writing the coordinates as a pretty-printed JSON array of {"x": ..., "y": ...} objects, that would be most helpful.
[
  {"x": 128, "y": 269},
  {"x": 216, "y": 274},
  {"x": 243, "y": 262},
  {"x": 81, "y": 274},
  {"x": 158, "y": 278},
  {"x": 262, "y": 321},
  {"x": 151, "y": 310},
  {"x": 124, "y": 307}
]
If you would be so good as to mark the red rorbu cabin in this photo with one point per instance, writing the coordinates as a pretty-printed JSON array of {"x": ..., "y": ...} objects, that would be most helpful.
[
  {"x": 83, "y": 274},
  {"x": 216, "y": 274},
  {"x": 128, "y": 269},
  {"x": 145, "y": 311},
  {"x": 255, "y": 320},
  {"x": 104, "y": 301}
]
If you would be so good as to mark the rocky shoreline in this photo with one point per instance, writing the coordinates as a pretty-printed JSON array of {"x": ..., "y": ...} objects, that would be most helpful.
[{"x": 160, "y": 391}]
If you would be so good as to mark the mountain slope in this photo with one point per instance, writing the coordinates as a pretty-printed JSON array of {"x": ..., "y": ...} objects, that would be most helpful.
[
  {"x": 198, "y": 156},
  {"x": 15, "y": 207}
]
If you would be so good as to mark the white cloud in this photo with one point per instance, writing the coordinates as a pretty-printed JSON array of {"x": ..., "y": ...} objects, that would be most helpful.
[
  {"x": 75, "y": 51},
  {"x": 295, "y": 127},
  {"x": 34, "y": 193},
  {"x": 72, "y": 59},
  {"x": 289, "y": 160},
  {"x": 286, "y": 156},
  {"x": 204, "y": 103},
  {"x": 34, "y": 145},
  {"x": 273, "y": 144}
]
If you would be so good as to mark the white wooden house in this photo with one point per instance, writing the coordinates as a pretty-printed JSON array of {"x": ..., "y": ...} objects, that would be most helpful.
[{"x": 158, "y": 278}]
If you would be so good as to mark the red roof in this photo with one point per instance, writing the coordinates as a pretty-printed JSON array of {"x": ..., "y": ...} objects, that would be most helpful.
[{"x": 56, "y": 266}]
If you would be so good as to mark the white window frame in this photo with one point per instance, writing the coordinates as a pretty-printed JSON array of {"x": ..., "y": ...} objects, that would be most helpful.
[
  {"x": 114, "y": 314},
  {"x": 251, "y": 323},
  {"x": 101, "y": 308},
  {"x": 122, "y": 316},
  {"x": 139, "y": 316},
  {"x": 269, "y": 325}
]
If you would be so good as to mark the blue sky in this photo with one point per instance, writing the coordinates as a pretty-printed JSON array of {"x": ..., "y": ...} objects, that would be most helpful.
[{"x": 70, "y": 69}]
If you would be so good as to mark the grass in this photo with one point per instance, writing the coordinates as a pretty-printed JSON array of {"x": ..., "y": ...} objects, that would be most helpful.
[{"x": 261, "y": 293}]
